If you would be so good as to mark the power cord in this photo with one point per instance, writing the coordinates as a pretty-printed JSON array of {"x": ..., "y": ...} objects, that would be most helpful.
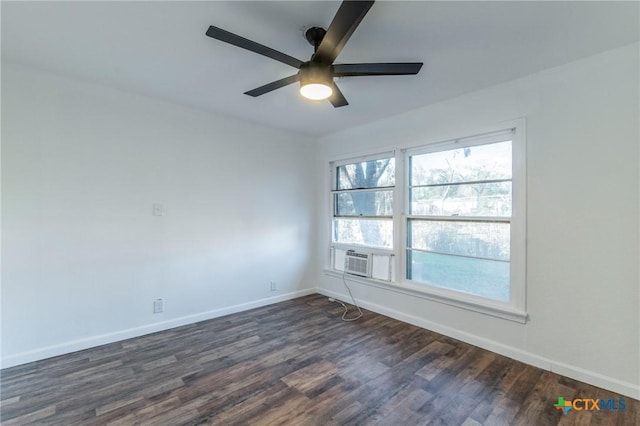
[{"x": 346, "y": 310}]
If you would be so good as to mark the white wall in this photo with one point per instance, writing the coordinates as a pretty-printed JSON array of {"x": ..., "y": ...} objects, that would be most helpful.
[
  {"x": 83, "y": 257},
  {"x": 583, "y": 216}
]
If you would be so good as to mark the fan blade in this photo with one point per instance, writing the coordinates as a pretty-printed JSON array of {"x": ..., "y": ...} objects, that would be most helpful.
[
  {"x": 394, "y": 68},
  {"x": 343, "y": 25},
  {"x": 273, "y": 86},
  {"x": 337, "y": 99},
  {"x": 236, "y": 40}
]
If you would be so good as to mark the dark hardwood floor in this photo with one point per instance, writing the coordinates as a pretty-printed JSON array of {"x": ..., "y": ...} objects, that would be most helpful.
[{"x": 294, "y": 363}]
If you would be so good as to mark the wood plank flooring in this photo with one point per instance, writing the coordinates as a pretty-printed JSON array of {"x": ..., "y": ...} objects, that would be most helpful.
[{"x": 294, "y": 363}]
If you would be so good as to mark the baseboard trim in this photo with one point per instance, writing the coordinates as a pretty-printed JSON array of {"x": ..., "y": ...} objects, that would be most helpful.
[
  {"x": 103, "y": 339},
  {"x": 596, "y": 379},
  {"x": 593, "y": 378}
]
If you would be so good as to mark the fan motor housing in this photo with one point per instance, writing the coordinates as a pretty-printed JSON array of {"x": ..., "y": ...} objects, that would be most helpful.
[{"x": 314, "y": 72}]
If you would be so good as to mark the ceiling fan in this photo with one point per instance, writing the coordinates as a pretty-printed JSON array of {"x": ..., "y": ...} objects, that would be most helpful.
[{"x": 316, "y": 75}]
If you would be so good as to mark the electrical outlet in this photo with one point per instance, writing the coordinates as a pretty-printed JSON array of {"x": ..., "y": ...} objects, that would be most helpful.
[
  {"x": 274, "y": 287},
  {"x": 158, "y": 306}
]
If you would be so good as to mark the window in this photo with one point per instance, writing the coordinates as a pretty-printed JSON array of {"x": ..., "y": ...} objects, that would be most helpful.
[
  {"x": 448, "y": 216},
  {"x": 363, "y": 203},
  {"x": 458, "y": 227}
]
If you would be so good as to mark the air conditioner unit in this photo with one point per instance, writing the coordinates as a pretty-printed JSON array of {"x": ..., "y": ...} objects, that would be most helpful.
[{"x": 357, "y": 263}]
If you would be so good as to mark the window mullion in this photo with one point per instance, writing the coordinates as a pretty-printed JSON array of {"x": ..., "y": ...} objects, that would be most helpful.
[
  {"x": 466, "y": 182},
  {"x": 493, "y": 259},
  {"x": 372, "y": 189},
  {"x": 346, "y": 216},
  {"x": 478, "y": 219}
]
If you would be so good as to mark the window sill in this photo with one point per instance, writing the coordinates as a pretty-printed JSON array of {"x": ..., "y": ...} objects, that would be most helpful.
[{"x": 429, "y": 293}]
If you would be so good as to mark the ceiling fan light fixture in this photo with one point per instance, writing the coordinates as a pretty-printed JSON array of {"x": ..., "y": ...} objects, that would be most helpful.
[
  {"x": 316, "y": 75},
  {"x": 316, "y": 91},
  {"x": 316, "y": 81}
]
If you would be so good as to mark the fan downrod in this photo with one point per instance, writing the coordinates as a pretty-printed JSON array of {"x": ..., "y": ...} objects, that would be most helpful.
[{"x": 314, "y": 36}]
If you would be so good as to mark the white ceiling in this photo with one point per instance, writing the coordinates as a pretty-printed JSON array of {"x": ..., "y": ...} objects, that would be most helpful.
[{"x": 160, "y": 49}]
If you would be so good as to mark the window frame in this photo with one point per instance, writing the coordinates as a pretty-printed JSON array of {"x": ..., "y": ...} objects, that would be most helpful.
[
  {"x": 333, "y": 190},
  {"x": 467, "y": 142},
  {"x": 515, "y": 308}
]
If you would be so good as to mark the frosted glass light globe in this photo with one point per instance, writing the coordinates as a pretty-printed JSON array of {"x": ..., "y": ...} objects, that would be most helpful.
[{"x": 316, "y": 91}]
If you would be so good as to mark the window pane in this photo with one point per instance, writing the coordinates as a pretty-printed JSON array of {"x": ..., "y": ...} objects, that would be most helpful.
[
  {"x": 486, "y": 278},
  {"x": 477, "y": 239},
  {"x": 370, "y": 232},
  {"x": 476, "y": 163},
  {"x": 480, "y": 199},
  {"x": 367, "y": 174},
  {"x": 364, "y": 203}
]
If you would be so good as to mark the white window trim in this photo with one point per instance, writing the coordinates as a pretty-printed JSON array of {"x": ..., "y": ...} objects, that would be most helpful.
[
  {"x": 515, "y": 309},
  {"x": 357, "y": 158},
  {"x": 333, "y": 165},
  {"x": 469, "y": 303}
]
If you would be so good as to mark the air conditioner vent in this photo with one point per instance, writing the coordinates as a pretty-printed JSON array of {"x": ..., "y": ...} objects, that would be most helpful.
[{"x": 357, "y": 263}]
